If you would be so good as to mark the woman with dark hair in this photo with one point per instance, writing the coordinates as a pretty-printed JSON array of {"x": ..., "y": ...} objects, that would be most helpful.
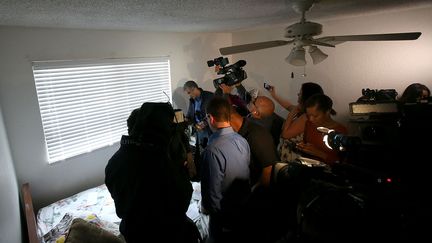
[
  {"x": 294, "y": 125},
  {"x": 414, "y": 93},
  {"x": 319, "y": 112}
]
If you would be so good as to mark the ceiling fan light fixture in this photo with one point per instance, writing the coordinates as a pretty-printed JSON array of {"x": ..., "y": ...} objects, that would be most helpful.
[
  {"x": 317, "y": 55},
  {"x": 297, "y": 57}
]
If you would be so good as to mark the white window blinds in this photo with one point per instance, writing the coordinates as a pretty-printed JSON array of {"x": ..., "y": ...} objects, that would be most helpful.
[{"x": 84, "y": 105}]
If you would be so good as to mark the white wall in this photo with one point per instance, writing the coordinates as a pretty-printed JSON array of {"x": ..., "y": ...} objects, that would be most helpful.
[
  {"x": 10, "y": 224},
  {"x": 19, "y": 46},
  {"x": 350, "y": 66}
]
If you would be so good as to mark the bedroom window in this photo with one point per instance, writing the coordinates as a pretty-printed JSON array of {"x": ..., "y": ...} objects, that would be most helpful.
[{"x": 84, "y": 104}]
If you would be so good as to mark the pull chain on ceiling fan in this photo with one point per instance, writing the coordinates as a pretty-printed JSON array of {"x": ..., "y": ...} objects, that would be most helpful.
[{"x": 302, "y": 34}]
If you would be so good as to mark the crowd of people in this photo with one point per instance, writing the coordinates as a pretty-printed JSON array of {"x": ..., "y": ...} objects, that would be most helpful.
[{"x": 239, "y": 140}]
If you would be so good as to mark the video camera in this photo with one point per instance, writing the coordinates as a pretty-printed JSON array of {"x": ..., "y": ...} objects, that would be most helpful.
[
  {"x": 379, "y": 180},
  {"x": 233, "y": 74},
  {"x": 352, "y": 199},
  {"x": 339, "y": 141},
  {"x": 378, "y": 95}
]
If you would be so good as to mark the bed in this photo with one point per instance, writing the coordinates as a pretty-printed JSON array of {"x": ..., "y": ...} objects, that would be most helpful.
[{"x": 94, "y": 205}]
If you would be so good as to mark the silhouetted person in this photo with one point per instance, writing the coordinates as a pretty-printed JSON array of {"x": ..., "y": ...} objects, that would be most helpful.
[{"x": 148, "y": 180}]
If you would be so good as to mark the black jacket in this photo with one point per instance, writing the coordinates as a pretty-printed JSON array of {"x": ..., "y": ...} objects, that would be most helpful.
[
  {"x": 151, "y": 193},
  {"x": 147, "y": 179},
  {"x": 206, "y": 96}
]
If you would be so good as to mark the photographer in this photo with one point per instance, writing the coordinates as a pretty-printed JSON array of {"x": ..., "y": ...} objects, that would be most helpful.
[{"x": 198, "y": 101}]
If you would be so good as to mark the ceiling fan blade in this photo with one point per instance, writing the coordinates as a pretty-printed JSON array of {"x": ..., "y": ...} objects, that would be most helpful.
[
  {"x": 252, "y": 47},
  {"x": 371, "y": 37},
  {"x": 318, "y": 43}
]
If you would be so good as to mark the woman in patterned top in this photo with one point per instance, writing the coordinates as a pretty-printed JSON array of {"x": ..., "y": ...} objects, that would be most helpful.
[{"x": 294, "y": 125}]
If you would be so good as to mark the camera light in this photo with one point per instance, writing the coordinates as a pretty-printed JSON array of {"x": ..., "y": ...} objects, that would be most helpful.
[
  {"x": 338, "y": 141},
  {"x": 325, "y": 140},
  {"x": 326, "y": 137}
]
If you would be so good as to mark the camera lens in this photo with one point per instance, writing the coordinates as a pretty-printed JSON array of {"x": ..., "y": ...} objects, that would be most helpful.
[{"x": 210, "y": 63}]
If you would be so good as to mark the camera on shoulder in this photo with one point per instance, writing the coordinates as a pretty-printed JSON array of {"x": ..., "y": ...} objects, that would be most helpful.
[{"x": 233, "y": 74}]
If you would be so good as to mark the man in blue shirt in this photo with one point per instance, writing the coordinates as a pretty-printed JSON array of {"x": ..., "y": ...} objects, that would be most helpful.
[
  {"x": 225, "y": 185},
  {"x": 196, "y": 111},
  {"x": 196, "y": 116}
]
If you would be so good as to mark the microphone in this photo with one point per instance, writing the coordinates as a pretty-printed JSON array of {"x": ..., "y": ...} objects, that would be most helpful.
[{"x": 167, "y": 96}]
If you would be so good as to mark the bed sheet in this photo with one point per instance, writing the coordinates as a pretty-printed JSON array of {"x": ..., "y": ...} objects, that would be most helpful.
[
  {"x": 96, "y": 205},
  {"x": 92, "y": 203}
]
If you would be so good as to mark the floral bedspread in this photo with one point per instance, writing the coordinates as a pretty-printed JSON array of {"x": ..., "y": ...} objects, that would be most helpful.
[{"x": 96, "y": 204}]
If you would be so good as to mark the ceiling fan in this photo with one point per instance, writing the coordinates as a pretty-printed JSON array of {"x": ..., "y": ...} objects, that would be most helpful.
[{"x": 302, "y": 34}]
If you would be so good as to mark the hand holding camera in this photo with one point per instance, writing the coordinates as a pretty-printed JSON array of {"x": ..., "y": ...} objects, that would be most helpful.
[
  {"x": 200, "y": 125},
  {"x": 201, "y": 121},
  {"x": 226, "y": 89}
]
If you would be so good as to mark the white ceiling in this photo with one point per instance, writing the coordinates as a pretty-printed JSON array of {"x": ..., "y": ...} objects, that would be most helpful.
[{"x": 181, "y": 15}]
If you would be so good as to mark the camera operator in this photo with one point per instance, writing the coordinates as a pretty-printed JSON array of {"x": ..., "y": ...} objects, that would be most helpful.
[{"x": 198, "y": 101}]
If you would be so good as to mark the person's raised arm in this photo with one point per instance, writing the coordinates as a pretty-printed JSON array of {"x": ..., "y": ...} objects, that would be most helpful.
[
  {"x": 283, "y": 102},
  {"x": 293, "y": 125}
]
